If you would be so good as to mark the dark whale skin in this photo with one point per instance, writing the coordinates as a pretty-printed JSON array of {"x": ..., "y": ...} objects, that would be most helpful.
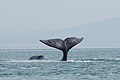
[
  {"x": 63, "y": 45},
  {"x": 40, "y": 57}
]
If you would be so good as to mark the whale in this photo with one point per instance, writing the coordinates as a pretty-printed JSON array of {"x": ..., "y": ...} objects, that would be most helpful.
[
  {"x": 40, "y": 57},
  {"x": 62, "y": 45}
]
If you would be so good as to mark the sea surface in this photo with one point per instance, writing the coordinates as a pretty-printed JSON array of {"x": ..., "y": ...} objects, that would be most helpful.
[{"x": 82, "y": 64}]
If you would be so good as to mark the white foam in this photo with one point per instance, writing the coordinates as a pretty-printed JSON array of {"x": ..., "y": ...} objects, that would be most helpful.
[
  {"x": 117, "y": 58},
  {"x": 82, "y": 60},
  {"x": 29, "y": 61}
]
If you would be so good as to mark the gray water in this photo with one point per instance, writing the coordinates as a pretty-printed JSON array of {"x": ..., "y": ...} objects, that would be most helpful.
[{"x": 82, "y": 64}]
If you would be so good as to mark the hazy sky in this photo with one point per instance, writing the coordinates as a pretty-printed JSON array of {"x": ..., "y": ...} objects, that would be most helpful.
[{"x": 23, "y": 17}]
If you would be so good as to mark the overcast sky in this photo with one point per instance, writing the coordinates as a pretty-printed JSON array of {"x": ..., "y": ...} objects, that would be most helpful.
[{"x": 19, "y": 17}]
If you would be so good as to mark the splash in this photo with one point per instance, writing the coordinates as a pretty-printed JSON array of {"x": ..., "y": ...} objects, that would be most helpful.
[{"x": 80, "y": 60}]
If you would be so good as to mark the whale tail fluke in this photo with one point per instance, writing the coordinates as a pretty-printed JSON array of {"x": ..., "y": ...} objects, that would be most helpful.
[
  {"x": 67, "y": 44},
  {"x": 71, "y": 42},
  {"x": 56, "y": 43},
  {"x": 64, "y": 46}
]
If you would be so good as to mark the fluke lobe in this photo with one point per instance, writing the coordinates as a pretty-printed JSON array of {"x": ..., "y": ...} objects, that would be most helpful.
[{"x": 63, "y": 45}]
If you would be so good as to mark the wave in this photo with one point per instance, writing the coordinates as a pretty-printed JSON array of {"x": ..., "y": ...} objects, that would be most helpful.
[
  {"x": 29, "y": 61},
  {"x": 80, "y": 60}
]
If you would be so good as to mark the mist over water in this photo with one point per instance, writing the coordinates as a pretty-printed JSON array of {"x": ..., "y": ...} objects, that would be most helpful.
[{"x": 82, "y": 64}]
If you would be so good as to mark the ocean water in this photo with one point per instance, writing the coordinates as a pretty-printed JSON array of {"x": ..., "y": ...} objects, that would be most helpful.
[{"x": 82, "y": 64}]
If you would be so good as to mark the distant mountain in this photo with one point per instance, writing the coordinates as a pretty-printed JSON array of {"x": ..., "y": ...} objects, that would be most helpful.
[{"x": 100, "y": 34}]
